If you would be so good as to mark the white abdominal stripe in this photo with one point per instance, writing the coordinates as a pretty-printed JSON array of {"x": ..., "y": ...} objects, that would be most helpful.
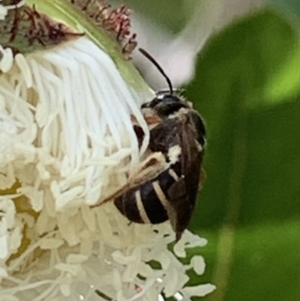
[{"x": 149, "y": 202}]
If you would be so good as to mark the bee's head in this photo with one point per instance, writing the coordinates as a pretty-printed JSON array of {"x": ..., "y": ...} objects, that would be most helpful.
[{"x": 165, "y": 104}]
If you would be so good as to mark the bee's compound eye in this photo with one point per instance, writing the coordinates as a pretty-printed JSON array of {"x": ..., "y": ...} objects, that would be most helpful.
[
  {"x": 152, "y": 104},
  {"x": 165, "y": 104},
  {"x": 169, "y": 105}
]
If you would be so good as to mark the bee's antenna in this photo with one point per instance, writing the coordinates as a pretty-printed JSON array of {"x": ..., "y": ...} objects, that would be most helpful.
[{"x": 151, "y": 59}]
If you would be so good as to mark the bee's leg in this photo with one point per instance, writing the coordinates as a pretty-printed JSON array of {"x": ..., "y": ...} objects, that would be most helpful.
[
  {"x": 152, "y": 121},
  {"x": 139, "y": 134}
]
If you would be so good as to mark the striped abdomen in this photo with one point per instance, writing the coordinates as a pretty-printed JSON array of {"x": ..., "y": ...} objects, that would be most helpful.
[{"x": 147, "y": 202}]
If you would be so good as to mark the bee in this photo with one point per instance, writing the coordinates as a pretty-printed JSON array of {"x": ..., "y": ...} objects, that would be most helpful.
[{"x": 165, "y": 185}]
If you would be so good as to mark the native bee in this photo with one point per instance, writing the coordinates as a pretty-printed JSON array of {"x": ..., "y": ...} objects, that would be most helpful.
[{"x": 166, "y": 184}]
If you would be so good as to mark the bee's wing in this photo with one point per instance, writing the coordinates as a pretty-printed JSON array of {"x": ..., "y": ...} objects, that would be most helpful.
[
  {"x": 148, "y": 169},
  {"x": 184, "y": 192}
]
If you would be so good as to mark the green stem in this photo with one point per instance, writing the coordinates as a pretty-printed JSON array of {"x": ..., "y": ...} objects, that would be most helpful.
[{"x": 225, "y": 251}]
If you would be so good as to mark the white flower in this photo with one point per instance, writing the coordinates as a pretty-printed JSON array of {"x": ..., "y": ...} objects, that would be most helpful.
[{"x": 66, "y": 142}]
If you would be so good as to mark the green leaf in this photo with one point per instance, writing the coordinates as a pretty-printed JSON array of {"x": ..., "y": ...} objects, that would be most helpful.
[
  {"x": 261, "y": 53},
  {"x": 290, "y": 7},
  {"x": 266, "y": 263},
  {"x": 250, "y": 205}
]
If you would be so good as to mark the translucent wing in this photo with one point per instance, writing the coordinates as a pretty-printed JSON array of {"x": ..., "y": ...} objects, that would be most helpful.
[
  {"x": 147, "y": 170},
  {"x": 183, "y": 194}
]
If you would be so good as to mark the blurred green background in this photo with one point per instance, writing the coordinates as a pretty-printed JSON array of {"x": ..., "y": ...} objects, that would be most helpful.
[{"x": 247, "y": 87}]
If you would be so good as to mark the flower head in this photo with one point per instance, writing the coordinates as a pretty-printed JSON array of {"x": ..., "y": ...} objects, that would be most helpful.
[{"x": 67, "y": 141}]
